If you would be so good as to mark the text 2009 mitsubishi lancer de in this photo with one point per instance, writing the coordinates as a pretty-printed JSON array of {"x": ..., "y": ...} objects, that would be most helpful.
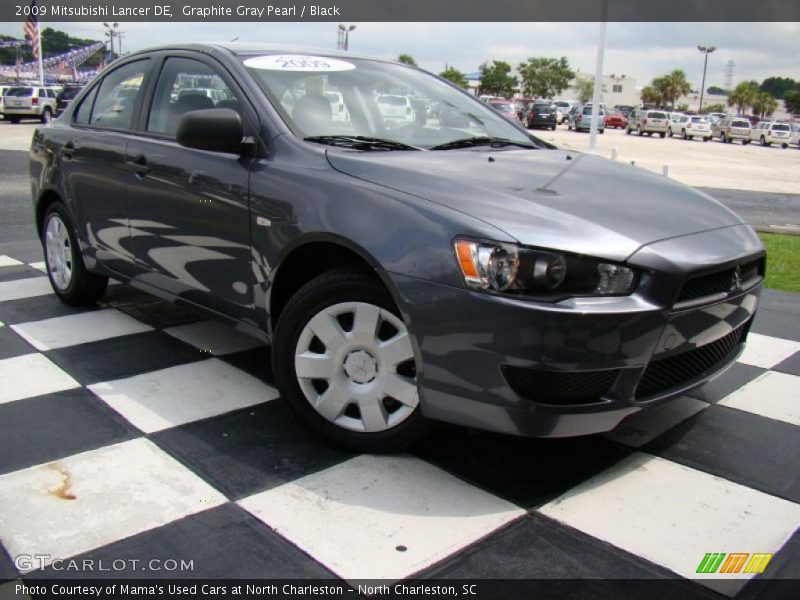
[{"x": 410, "y": 254}]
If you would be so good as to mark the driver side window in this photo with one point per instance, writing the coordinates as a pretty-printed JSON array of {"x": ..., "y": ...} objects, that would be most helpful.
[{"x": 185, "y": 85}]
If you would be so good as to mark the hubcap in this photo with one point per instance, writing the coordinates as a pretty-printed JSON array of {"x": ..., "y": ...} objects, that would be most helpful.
[
  {"x": 58, "y": 252},
  {"x": 355, "y": 365}
]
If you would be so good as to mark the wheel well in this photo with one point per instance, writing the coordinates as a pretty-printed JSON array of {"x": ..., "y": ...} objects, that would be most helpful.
[
  {"x": 305, "y": 263},
  {"x": 45, "y": 200}
]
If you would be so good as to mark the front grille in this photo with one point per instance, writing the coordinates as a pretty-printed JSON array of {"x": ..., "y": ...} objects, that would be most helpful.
[
  {"x": 720, "y": 281},
  {"x": 671, "y": 372},
  {"x": 559, "y": 387}
]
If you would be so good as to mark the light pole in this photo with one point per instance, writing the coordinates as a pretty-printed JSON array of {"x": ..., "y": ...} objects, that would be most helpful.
[
  {"x": 706, "y": 50},
  {"x": 111, "y": 31},
  {"x": 344, "y": 36}
]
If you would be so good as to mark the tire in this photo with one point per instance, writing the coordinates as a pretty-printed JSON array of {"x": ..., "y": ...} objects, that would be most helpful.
[
  {"x": 628, "y": 130},
  {"x": 601, "y": 131},
  {"x": 327, "y": 298},
  {"x": 691, "y": 137},
  {"x": 706, "y": 138},
  {"x": 68, "y": 275},
  {"x": 723, "y": 138},
  {"x": 649, "y": 134},
  {"x": 745, "y": 142},
  {"x": 553, "y": 128},
  {"x": 683, "y": 134},
  {"x": 764, "y": 141},
  {"x": 669, "y": 132},
  {"x": 639, "y": 130},
  {"x": 46, "y": 117},
  {"x": 784, "y": 145},
  {"x": 662, "y": 135},
  {"x": 14, "y": 120}
]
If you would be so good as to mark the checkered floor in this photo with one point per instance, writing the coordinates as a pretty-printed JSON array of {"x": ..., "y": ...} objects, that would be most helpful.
[{"x": 136, "y": 430}]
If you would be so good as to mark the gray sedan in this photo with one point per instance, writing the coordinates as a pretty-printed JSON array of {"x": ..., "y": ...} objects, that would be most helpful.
[{"x": 449, "y": 266}]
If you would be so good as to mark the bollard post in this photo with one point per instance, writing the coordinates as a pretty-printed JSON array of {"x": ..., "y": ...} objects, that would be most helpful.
[
  {"x": 665, "y": 170},
  {"x": 633, "y": 163},
  {"x": 614, "y": 153}
]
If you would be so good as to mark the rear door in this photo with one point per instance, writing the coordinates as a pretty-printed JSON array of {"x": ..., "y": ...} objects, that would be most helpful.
[
  {"x": 93, "y": 162},
  {"x": 190, "y": 217}
]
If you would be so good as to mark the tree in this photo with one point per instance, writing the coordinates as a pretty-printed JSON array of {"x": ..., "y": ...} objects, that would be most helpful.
[
  {"x": 778, "y": 86},
  {"x": 53, "y": 43},
  {"x": 685, "y": 107},
  {"x": 717, "y": 91},
  {"x": 584, "y": 88},
  {"x": 709, "y": 108},
  {"x": 407, "y": 59},
  {"x": 743, "y": 96},
  {"x": 791, "y": 100},
  {"x": 456, "y": 76},
  {"x": 544, "y": 77},
  {"x": 764, "y": 104},
  {"x": 675, "y": 85},
  {"x": 495, "y": 79},
  {"x": 650, "y": 95}
]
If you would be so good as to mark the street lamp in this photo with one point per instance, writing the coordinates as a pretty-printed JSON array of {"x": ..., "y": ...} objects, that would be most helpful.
[
  {"x": 111, "y": 31},
  {"x": 344, "y": 36},
  {"x": 706, "y": 50}
]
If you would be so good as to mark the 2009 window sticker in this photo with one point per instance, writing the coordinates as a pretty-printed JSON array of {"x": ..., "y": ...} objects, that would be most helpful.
[{"x": 298, "y": 62}]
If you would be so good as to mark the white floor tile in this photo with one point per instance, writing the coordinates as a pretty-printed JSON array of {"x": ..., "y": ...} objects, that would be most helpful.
[
  {"x": 213, "y": 337},
  {"x": 24, "y": 288},
  {"x": 31, "y": 375},
  {"x": 380, "y": 517},
  {"x": 41, "y": 266},
  {"x": 766, "y": 351},
  {"x": 97, "y": 497},
  {"x": 169, "y": 397},
  {"x": 60, "y": 332},
  {"x": 645, "y": 426},
  {"x": 774, "y": 395},
  {"x": 7, "y": 261},
  {"x": 673, "y": 515}
]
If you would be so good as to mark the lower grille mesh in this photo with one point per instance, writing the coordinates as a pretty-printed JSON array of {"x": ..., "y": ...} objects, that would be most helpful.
[
  {"x": 559, "y": 387},
  {"x": 667, "y": 373}
]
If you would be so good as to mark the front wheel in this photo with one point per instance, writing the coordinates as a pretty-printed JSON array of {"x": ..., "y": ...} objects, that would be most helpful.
[
  {"x": 669, "y": 132},
  {"x": 344, "y": 361},
  {"x": 46, "y": 117},
  {"x": 784, "y": 145},
  {"x": 639, "y": 131},
  {"x": 722, "y": 138},
  {"x": 70, "y": 279},
  {"x": 628, "y": 130},
  {"x": 764, "y": 141}
]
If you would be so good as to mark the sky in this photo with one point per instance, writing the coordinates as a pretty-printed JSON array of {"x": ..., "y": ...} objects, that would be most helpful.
[{"x": 639, "y": 50}]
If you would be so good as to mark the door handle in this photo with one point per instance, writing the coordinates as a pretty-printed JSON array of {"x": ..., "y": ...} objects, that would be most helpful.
[
  {"x": 139, "y": 166},
  {"x": 68, "y": 149}
]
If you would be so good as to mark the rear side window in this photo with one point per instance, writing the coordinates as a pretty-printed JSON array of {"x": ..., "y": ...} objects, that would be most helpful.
[
  {"x": 185, "y": 85},
  {"x": 85, "y": 109},
  {"x": 117, "y": 95}
]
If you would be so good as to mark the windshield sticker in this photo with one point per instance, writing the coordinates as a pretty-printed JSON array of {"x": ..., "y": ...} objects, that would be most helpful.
[{"x": 298, "y": 62}]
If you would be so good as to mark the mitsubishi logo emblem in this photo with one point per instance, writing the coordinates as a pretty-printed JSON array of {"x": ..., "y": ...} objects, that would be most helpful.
[{"x": 737, "y": 278}]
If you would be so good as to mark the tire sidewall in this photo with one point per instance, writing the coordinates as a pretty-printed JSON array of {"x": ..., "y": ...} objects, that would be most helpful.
[{"x": 304, "y": 305}]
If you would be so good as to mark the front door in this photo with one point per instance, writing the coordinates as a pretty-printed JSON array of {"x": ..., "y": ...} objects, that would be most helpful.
[{"x": 189, "y": 213}]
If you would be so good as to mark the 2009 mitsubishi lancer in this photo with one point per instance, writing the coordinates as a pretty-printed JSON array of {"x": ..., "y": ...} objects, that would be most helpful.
[{"x": 442, "y": 264}]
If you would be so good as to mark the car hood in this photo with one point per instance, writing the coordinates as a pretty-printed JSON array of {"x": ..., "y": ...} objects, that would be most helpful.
[{"x": 548, "y": 198}]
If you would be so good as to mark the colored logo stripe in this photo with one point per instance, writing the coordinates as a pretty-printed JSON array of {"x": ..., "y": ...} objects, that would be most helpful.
[{"x": 734, "y": 563}]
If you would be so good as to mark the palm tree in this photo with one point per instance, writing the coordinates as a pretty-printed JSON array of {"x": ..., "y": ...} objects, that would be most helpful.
[
  {"x": 650, "y": 95},
  {"x": 743, "y": 96},
  {"x": 764, "y": 105},
  {"x": 676, "y": 86}
]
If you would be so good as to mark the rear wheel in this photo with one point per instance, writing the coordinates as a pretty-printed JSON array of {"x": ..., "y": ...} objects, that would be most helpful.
[
  {"x": 14, "y": 120},
  {"x": 784, "y": 145},
  {"x": 669, "y": 132},
  {"x": 47, "y": 116},
  {"x": 639, "y": 130},
  {"x": 344, "y": 361},
  {"x": 662, "y": 135},
  {"x": 723, "y": 138},
  {"x": 68, "y": 275},
  {"x": 628, "y": 130}
]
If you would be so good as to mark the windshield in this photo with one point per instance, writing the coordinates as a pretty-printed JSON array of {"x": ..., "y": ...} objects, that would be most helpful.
[
  {"x": 69, "y": 93},
  {"x": 20, "y": 91},
  {"x": 505, "y": 107},
  {"x": 377, "y": 101}
]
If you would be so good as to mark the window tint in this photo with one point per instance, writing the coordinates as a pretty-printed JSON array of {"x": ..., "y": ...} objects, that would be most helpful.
[
  {"x": 20, "y": 92},
  {"x": 740, "y": 124},
  {"x": 656, "y": 115},
  {"x": 117, "y": 95},
  {"x": 51, "y": 94},
  {"x": 85, "y": 109},
  {"x": 185, "y": 85},
  {"x": 780, "y": 127}
]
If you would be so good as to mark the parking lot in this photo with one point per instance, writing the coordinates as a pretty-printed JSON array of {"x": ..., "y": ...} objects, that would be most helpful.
[{"x": 138, "y": 430}]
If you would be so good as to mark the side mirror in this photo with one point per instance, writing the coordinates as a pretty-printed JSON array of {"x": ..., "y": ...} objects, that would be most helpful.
[{"x": 213, "y": 129}]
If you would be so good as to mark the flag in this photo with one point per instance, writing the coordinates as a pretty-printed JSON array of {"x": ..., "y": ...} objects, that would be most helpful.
[{"x": 31, "y": 30}]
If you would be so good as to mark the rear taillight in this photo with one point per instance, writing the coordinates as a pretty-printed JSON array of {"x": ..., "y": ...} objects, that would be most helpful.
[
  {"x": 644, "y": 121},
  {"x": 580, "y": 118},
  {"x": 34, "y": 101}
]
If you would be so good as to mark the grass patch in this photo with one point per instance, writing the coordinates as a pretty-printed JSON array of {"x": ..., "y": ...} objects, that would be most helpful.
[{"x": 783, "y": 261}]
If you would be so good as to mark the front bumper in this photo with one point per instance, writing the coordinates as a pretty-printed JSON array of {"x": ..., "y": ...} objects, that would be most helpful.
[{"x": 497, "y": 363}]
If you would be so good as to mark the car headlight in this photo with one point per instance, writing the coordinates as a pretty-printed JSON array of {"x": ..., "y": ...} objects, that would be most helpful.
[{"x": 511, "y": 269}]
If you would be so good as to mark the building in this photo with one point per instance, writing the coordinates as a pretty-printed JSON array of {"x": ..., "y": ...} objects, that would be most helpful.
[{"x": 620, "y": 90}]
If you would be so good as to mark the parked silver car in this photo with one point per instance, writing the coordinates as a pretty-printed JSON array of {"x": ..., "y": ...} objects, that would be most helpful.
[
  {"x": 580, "y": 118},
  {"x": 29, "y": 102},
  {"x": 771, "y": 132},
  {"x": 732, "y": 128},
  {"x": 695, "y": 126},
  {"x": 648, "y": 121}
]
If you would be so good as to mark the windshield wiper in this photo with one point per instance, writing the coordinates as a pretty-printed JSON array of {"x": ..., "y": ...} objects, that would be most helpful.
[
  {"x": 470, "y": 142},
  {"x": 360, "y": 142}
]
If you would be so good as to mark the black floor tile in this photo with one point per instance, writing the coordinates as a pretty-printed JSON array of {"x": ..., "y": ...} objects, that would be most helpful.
[
  {"x": 125, "y": 295},
  {"x": 791, "y": 365},
  {"x": 222, "y": 542},
  {"x": 749, "y": 449},
  {"x": 727, "y": 383},
  {"x": 528, "y": 472},
  {"x": 13, "y": 345},
  {"x": 123, "y": 356},
  {"x": 7, "y": 570},
  {"x": 785, "y": 302},
  {"x": 27, "y": 251},
  {"x": 18, "y": 272},
  {"x": 37, "y": 430},
  {"x": 777, "y": 324},
  {"x": 161, "y": 314},
  {"x": 255, "y": 361},
  {"x": 781, "y": 579},
  {"x": 249, "y": 450},
  {"x": 37, "y": 308},
  {"x": 539, "y": 548}
]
